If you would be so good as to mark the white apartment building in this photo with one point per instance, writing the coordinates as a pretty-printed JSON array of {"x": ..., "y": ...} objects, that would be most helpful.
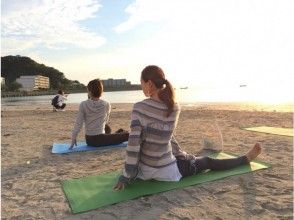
[
  {"x": 114, "y": 82},
  {"x": 30, "y": 83}
]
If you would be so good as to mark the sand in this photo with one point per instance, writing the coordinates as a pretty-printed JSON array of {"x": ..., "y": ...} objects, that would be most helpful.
[{"x": 32, "y": 176}]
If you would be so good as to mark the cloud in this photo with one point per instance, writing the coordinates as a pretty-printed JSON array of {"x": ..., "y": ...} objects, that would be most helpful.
[
  {"x": 198, "y": 42},
  {"x": 14, "y": 46},
  {"x": 217, "y": 41},
  {"x": 142, "y": 11},
  {"x": 48, "y": 23}
]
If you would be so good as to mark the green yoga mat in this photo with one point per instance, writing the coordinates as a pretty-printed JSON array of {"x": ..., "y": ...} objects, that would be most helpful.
[
  {"x": 273, "y": 130},
  {"x": 92, "y": 192}
]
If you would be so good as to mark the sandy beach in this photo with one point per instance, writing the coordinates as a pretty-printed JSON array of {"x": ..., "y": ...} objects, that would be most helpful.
[{"x": 31, "y": 175}]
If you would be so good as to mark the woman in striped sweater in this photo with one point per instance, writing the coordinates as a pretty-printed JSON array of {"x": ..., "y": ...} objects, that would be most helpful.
[{"x": 152, "y": 151}]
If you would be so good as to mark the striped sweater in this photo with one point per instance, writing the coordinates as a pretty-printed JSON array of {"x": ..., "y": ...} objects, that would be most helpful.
[{"x": 151, "y": 141}]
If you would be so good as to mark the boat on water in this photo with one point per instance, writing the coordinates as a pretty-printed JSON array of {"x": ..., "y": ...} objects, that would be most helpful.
[{"x": 184, "y": 87}]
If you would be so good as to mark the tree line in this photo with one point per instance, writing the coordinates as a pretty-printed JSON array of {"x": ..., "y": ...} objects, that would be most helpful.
[{"x": 12, "y": 67}]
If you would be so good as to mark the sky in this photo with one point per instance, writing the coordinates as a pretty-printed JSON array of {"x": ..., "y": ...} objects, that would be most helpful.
[{"x": 211, "y": 42}]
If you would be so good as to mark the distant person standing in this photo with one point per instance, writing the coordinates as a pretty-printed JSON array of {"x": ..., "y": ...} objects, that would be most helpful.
[{"x": 58, "y": 101}]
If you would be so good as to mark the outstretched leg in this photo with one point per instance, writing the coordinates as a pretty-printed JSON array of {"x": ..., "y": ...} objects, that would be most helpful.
[
  {"x": 191, "y": 167},
  {"x": 204, "y": 163},
  {"x": 106, "y": 139}
]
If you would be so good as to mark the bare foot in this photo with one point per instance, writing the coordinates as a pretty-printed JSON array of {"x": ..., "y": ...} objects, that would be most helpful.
[{"x": 254, "y": 152}]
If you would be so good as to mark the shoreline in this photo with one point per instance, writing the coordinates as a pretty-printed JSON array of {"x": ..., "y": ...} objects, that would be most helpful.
[
  {"x": 235, "y": 106},
  {"x": 53, "y": 92}
]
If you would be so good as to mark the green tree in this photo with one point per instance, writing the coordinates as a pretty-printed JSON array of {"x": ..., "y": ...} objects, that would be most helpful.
[
  {"x": 3, "y": 87},
  {"x": 14, "y": 86},
  {"x": 12, "y": 67}
]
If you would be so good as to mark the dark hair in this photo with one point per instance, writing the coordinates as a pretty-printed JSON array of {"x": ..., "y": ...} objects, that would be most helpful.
[
  {"x": 166, "y": 93},
  {"x": 60, "y": 91},
  {"x": 95, "y": 87}
]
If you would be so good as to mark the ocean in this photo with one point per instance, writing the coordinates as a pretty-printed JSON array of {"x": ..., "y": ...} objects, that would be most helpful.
[{"x": 187, "y": 96}]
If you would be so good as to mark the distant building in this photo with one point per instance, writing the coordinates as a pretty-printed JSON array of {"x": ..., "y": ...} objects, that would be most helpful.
[
  {"x": 2, "y": 81},
  {"x": 30, "y": 83},
  {"x": 115, "y": 83}
]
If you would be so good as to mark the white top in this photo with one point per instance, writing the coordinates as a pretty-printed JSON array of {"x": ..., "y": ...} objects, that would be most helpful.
[
  {"x": 95, "y": 114},
  {"x": 61, "y": 99},
  {"x": 168, "y": 173}
]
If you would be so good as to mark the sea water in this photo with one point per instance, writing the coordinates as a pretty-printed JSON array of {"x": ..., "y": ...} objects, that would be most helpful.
[{"x": 189, "y": 95}]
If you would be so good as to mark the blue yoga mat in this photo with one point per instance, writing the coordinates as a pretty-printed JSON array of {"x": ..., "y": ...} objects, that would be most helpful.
[{"x": 63, "y": 148}]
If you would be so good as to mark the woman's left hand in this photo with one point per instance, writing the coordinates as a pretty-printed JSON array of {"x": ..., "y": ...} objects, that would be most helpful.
[{"x": 119, "y": 186}]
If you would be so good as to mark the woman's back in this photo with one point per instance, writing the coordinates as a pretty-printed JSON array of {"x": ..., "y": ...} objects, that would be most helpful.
[
  {"x": 95, "y": 114},
  {"x": 156, "y": 132}
]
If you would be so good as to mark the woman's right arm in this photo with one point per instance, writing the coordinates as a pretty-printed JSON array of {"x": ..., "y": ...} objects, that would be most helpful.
[{"x": 130, "y": 170}]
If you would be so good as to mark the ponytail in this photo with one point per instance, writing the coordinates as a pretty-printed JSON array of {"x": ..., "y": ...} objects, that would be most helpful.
[
  {"x": 166, "y": 92},
  {"x": 167, "y": 96}
]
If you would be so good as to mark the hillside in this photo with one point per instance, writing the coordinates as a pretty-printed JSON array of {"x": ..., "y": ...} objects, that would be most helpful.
[{"x": 13, "y": 67}]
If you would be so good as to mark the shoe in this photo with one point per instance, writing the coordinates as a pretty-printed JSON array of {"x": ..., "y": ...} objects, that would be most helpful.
[
  {"x": 107, "y": 129},
  {"x": 121, "y": 131}
]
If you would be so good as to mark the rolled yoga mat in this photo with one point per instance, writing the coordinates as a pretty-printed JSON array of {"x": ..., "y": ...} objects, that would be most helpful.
[
  {"x": 273, "y": 130},
  {"x": 92, "y": 192},
  {"x": 62, "y": 148}
]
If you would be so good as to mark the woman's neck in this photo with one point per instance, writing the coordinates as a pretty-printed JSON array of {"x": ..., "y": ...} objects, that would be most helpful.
[
  {"x": 94, "y": 99},
  {"x": 155, "y": 97}
]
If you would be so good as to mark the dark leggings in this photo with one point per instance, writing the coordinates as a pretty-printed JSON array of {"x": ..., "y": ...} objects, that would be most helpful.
[
  {"x": 191, "y": 167},
  {"x": 107, "y": 139},
  {"x": 60, "y": 107}
]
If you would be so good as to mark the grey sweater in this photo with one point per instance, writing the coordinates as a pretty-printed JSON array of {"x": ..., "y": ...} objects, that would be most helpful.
[
  {"x": 151, "y": 141},
  {"x": 94, "y": 114}
]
